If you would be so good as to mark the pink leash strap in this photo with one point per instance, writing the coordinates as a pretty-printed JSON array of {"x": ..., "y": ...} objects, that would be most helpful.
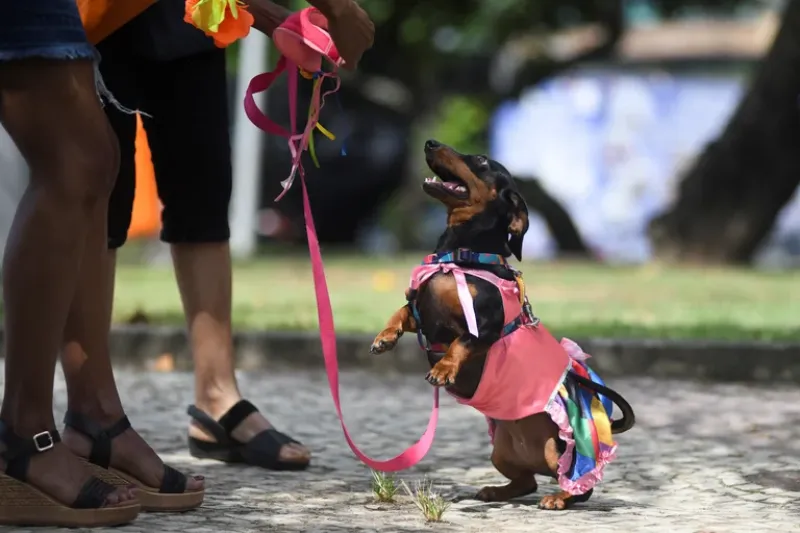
[
  {"x": 418, "y": 450},
  {"x": 298, "y": 144}
]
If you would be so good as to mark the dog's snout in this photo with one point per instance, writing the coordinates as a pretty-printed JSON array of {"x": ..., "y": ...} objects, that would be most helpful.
[{"x": 430, "y": 144}]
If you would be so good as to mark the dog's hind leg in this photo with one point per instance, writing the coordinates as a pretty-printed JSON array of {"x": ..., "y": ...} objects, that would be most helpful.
[
  {"x": 562, "y": 499},
  {"x": 402, "y": 320},
  {"x": 522, "y": 480}
]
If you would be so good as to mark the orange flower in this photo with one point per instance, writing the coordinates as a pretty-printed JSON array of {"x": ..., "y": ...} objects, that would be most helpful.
[{"x": 226, "y": 21}]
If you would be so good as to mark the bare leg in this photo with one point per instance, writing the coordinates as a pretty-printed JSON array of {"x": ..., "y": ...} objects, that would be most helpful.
[
  {"x": 203, "y": 272},
  {"x": 91, "y": 387},
  {"x": 51, "y": 110}
]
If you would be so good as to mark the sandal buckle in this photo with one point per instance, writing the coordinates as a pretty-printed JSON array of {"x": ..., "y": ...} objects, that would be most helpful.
[{"x": 43, "y": 441}]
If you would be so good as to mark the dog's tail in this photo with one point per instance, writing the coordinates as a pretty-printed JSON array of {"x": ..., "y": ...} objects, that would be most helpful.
[{"x": 628, "y": 417}]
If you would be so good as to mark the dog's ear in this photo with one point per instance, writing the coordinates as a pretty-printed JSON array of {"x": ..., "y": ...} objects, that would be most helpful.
[{"x": 517, "y": 220}]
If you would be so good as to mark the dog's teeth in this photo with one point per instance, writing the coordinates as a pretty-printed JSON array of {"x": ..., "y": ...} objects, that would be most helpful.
[{"x": 461, "y": 188}]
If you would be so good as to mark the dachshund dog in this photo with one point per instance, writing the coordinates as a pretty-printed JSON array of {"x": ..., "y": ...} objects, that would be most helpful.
[{"x": 548, "y": 412}]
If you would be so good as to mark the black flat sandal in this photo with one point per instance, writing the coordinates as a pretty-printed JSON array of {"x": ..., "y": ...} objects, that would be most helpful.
[
  {"x": 170, "y": 496},
  {"x": 22, "y": 504},
  {"x": 263, "y": 450}
]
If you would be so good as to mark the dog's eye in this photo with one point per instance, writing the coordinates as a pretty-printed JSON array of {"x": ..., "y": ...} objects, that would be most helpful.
[{"x": 483, "y": 161}]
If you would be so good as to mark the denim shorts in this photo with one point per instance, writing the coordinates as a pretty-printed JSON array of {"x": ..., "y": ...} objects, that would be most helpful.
[{"x": 50, "y": 29}]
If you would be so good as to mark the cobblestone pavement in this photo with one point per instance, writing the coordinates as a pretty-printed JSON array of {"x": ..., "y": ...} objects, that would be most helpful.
[{"x": 703, "y": 458}]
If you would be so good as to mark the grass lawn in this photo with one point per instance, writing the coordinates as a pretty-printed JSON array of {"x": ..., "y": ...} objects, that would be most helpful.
[{"x": 576, "y": 300}]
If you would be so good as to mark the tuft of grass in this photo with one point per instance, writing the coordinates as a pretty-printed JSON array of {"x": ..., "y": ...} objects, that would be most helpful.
[
  {"x": 431, "y": 504},
  {"x": 384, "y": 486}
]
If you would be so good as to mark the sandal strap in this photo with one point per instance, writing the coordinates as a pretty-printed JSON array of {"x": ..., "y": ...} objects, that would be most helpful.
[
  {"x": 222, "y": 429},
  {"x": 173, "y": 482},
  {"x": 209, "y": 424},
  {"x": 19, "y": 450},
  {"x": 236, "y": 415},
  {"x": 93, "y": 494},
  {"x": 101, "y": 437},
  {"x": 270, "y": 441}
]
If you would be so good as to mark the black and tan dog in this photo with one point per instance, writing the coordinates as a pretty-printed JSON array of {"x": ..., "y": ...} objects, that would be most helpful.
[{"x": 488, "y": 218}]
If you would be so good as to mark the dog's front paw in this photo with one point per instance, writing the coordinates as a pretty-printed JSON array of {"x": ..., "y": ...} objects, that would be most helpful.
[
  {"x": 443, "y": 373},
  {"x": 385, "y": 341}
]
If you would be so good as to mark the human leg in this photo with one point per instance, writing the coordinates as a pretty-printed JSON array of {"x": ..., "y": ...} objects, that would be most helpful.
[
  {"x": 50, "y": 108},
  {"x": 191, "y": 154},
  {"x": 94, "y": 403}
]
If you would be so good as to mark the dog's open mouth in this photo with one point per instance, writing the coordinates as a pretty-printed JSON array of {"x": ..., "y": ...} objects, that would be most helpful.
[{"x": 447, "y": 184}]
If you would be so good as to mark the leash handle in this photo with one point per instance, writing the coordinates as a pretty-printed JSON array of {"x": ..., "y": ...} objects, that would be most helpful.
[{"x": 259, "y": 84}]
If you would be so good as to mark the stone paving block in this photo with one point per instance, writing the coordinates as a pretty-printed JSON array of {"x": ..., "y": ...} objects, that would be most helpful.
[{"x": 703, "y": 458}]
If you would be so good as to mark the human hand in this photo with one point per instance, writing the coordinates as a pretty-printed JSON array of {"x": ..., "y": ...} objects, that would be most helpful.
[
  {"x": 267, "y": 15},
  {"x": 352, "y": 31}
]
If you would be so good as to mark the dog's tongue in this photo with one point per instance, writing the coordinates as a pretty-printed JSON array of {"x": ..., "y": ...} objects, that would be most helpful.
[{"x": 454, "y": 186}]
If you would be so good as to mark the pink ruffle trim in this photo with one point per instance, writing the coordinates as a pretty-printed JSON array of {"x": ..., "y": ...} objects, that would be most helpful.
[{"x": 587, "y": 481}]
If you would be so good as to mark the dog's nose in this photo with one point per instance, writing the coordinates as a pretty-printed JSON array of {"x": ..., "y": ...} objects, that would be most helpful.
[{"x": 430, "y": 144}]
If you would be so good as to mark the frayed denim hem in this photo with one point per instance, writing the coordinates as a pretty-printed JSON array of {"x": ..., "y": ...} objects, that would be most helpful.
[
  {"x": 69, "y": 52},
  {"x": 62, "y": 51}
]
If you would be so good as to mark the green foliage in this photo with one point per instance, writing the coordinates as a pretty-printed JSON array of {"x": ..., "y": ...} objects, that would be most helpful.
[{"x": 461, "y": 122}]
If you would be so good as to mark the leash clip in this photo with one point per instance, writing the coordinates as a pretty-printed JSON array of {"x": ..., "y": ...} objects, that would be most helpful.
[{"x": 528, "y": 310}]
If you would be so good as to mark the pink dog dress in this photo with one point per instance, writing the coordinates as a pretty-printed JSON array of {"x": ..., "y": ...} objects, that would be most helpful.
[{"x": 527, "y": 372}]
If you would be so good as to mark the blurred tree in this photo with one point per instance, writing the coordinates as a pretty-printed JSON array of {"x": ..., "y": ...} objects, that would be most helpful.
[
  {"x": 452, "y": 61},
  {"x": 447, "y": 64},
  {"x": 729, "y": 201}
]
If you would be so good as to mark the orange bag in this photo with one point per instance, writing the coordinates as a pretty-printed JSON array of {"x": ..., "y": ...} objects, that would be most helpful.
[{"x": 101, "y": 18}]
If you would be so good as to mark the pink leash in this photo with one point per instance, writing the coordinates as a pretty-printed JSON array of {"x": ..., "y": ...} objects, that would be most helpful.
[{"x": 304, "y": 39}]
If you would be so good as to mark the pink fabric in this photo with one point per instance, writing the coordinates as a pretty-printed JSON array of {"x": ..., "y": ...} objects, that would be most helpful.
[
  {"x": 508, "y": 289},
  {"x": 522, "y": 373},
  {"x": 304, "y": 39},
  {"x": 306, "y": 26},
  {"x": 523, "y": 369},
  {"x": 558, "y": 413}
]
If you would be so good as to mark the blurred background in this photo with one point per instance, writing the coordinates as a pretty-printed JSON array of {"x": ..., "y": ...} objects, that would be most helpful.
[{"x": 655, "y": 141}]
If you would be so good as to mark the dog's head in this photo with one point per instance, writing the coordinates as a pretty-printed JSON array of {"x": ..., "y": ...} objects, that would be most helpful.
[{"x": 477, "y": 190}]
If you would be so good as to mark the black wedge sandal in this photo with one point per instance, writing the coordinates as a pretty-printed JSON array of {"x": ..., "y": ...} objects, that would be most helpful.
[
  {"x": 22, "y": 504},
  {"x": 170, "y": 496},
  {"x": 263, "y": 450}
]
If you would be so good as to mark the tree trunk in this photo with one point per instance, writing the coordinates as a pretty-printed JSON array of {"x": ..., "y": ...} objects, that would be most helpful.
[{"x": 728, "y": 202}]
